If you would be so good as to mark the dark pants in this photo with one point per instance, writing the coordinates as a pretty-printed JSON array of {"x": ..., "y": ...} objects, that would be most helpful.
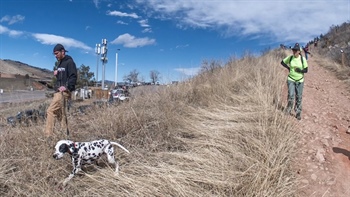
[{"x": 295, "y": 92}]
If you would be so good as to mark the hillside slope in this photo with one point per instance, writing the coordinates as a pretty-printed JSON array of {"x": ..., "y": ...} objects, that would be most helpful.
[
  {"x": 324, "y": 162},
  {"x": 15, "y": 67}
]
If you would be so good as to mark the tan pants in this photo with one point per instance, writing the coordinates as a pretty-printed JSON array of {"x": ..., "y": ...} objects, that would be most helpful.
[{"x": 56, "y": 110}]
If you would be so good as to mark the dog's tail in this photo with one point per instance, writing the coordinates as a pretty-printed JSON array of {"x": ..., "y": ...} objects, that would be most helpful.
[{"x": 122, "y": 147}]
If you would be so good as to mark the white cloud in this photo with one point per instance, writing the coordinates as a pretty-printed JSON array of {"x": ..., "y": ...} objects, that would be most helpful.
[
  {"x": 122, "y": 23},
  {"x": 12, "y": 33},
  {"x": 130, "y": 41},
  {"x": 122, "y": 14},
  {"x": 188, "y": 71},
  {"x": 3, "y": 29},
  {"x": 96, "y": 2},
  {"x": 144, "y": 23},
  {"x": 5, "y": 18},
  {"x": 182, "y": 46},
  {"x": 50, "y": 39},
  {"x": 12, "y": 19},
  {"x": 280, "y": 20},
  {"x": 147, "y": 30}
]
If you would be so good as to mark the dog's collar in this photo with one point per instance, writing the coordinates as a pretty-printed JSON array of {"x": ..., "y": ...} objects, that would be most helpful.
[{"x": 74, "y": 146}]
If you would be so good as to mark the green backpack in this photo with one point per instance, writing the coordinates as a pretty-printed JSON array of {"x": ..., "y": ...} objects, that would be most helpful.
[{"x": 302, "y": 60}]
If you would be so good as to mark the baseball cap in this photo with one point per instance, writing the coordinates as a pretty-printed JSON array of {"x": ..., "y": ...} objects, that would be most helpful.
[
  {"x": 59, "y": 47},
  {"x": 296, "y": 47}
]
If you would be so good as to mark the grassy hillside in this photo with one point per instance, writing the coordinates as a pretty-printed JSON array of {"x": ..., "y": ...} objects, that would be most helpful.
[
  {"x": 220, "y": 134},
  {"x": 16, "y": 67},
  {"x": 335, "y": 44},
  {"x": 20, "y": 76}
]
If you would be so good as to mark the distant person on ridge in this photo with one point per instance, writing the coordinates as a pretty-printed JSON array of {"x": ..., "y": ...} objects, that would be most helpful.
[
  {"x": 297, "y": 66},
  {"x": 66, "y": 74},
  {"x": 306, "y": 51}
]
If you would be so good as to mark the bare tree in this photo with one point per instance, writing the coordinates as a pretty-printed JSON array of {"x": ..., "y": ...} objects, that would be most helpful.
[
  {"x": 210, "y": 66},
  {"x": 132, "y": 76},
  {"x": 154, "y": 75}
]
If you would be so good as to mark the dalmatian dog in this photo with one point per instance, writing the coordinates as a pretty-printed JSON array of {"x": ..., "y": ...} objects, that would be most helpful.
[{"x": 86, "y": 152}]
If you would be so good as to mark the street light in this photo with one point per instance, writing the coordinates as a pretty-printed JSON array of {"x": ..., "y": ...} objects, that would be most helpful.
[
  {"x": 98, "y": 52},
  {"x": 116, "y": 69},
  {"x": 104, "y": 59}
]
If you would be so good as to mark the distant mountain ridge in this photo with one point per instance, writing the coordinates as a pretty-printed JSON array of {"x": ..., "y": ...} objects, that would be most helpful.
[{"x": 13, "y": 67}]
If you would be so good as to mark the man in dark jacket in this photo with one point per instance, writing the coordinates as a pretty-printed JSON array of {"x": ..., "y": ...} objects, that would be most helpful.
[{"x": 66, "y": 74}]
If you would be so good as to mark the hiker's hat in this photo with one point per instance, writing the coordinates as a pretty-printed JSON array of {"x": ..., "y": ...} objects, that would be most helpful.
[
  {"x": 59, "y": 47},
  {"x": 296, "y": 47}
]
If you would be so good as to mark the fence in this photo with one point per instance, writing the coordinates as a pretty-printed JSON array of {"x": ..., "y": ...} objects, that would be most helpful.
[{"x": 100, "y": 94}]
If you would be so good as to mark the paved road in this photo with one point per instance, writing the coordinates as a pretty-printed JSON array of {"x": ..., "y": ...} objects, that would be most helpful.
[{"x": 21, "y": 96}]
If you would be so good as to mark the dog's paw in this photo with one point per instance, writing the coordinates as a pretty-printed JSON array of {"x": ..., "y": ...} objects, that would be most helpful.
[
  {"x": 60, "y": 188},
  {"x": 65, "y": 182}
]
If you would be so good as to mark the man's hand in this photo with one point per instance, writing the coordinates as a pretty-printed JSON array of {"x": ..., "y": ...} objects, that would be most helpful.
[
  {"x": 298, "y": 70},
  {"x": 55, "y": 72},
  {"x": 62, "y": 89}
]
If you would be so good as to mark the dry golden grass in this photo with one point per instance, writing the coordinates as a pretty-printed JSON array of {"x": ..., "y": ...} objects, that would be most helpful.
[
  {"x": 219, "y": 134},
  {"x": 342, "y": 72}
]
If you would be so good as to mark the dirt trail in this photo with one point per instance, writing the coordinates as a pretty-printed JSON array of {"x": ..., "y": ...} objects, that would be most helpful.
[{"x": 324, "y": 162}]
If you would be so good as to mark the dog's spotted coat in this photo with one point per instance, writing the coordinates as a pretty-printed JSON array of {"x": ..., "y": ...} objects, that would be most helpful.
[{"x": 86, "y": 152}]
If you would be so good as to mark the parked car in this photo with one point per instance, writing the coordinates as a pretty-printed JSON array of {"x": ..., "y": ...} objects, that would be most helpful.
[{"x": 119, "y": 94}]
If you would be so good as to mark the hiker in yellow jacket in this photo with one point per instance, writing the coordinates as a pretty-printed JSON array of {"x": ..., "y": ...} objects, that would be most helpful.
[{"x": 297, "y": 66}]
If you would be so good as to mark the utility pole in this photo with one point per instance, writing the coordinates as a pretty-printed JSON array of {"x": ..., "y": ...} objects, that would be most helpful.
[
  {"x": 98, "y": 52},
  {"x": 104, "y": 60},
  {"x": 116, "y": 69}
]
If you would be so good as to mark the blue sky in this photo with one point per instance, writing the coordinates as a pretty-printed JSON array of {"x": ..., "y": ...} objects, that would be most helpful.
[{"x": 172, "y": 37}]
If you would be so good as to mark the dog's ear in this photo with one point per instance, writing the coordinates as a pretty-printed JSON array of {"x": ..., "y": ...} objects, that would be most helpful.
[{"x": 63, "y": 148}]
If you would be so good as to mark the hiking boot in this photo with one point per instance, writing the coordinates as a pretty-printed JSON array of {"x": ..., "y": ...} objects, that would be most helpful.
[
  {"x": 298, "y": 116},
  {"x": 287, "y": 111}
]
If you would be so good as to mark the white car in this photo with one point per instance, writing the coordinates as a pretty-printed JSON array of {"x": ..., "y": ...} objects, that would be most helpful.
[{"x": 119, "y": 94}]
